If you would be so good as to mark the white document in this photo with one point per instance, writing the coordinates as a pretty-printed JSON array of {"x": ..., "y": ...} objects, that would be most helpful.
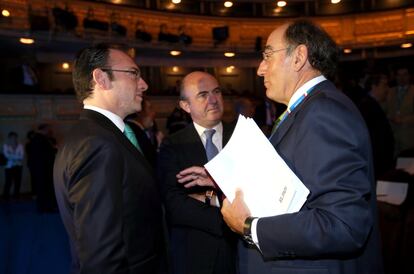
[
  {"x": 406, "y": 164},
  {"x": 250, "y": 162},
  {"x": 392, "y": 192}
]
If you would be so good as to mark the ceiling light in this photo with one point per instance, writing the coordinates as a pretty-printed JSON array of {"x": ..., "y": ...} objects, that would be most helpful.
[
  {"x": 65, "y": 65},
  {"x": 229, "y": 54},
  {"x": 176, "y": 1},
  {"x": 281, "y": 3},
  {"x": 347, "y": 51},
  {"x": 230, "y": 69},
  {"x": 27, "y": 41},
  {"x": 277, "y": 10},
  {"x": 406, "y": 45},
  {"x": 335, "y": 1},
  {"x": 5, "y": 13},
  {"x": 228, "y": 4},
  {"x": 175, "y": 52}
]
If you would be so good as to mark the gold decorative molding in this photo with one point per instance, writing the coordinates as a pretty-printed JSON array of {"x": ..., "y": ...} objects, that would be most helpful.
[{"x": 357, "y": 30}]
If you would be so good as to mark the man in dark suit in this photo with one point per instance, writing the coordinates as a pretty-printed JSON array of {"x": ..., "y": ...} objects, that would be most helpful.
[
  {"x": 200, "y": 240},
  {"x": 106, "y": 192},
  {"x": 324, "y": 140},
  {"x": 379, "y": 128}
]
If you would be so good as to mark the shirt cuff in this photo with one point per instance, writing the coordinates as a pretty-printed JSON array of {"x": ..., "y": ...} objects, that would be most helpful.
[{"x": 254, "y": 232}]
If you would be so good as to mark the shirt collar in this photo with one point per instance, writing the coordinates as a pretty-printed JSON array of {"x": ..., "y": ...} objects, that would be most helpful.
[
  {"x": 200, "y": 130},
  {"x": 304, "y": 88},
  {"x": 119, "y": 123}
]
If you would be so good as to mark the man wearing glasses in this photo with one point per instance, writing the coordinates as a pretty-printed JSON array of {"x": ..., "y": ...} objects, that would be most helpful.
[
  {"x": 106, "y": 192},
  {"x": 324, "y": 140}
]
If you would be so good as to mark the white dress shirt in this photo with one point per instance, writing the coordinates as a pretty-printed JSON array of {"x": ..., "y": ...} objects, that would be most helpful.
[
  {"x": 14, "y": 155},
  {"x": 217, "y": 141},
  {"x": 118, "y": 121},
  {"x": 217, "y": 137}
]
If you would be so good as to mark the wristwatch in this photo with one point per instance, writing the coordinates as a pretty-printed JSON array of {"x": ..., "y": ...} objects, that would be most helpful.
[
  {"x": 209, "y": 195},
  {"x": 247, "y": 230}
]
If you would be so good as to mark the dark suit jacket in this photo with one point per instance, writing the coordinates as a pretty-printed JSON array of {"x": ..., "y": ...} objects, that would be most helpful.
[
  {"x": 325, "y": 142},
  {"x": 382, "y": 138},
  {"x": 108, "y": 200},
  {"x": 200, "y": 240}
]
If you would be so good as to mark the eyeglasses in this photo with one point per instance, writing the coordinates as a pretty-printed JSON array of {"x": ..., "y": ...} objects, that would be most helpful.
[
  {"x": 267, "y": 53},
  {"x": 135, "y": 72}
]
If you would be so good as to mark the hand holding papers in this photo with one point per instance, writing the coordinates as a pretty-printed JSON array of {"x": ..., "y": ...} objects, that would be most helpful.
[{"x": 250, "y": 162}]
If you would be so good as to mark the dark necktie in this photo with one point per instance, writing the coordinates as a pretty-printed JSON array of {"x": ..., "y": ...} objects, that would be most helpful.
[
  {"x": 129, "y": 133},
  {"x": 211, "y": 149}
]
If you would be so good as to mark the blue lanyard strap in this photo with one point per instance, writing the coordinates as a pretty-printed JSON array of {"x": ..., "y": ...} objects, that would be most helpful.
[{"x": 286, "y": 113}]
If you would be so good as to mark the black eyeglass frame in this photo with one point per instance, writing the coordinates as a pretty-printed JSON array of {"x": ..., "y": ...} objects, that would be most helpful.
[{"x": 136, "y": 71}]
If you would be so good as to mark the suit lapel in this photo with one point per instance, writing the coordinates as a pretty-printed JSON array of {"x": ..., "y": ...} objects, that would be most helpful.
[
  {"x": 194, "y": 146},
  {"x": 227, "y": 132},
  {"x": 288, "y": 122},
  {"x": 107, "y": 124}
]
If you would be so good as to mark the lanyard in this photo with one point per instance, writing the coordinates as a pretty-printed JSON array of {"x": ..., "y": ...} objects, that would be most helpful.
[{"x": 286, "y": 113}]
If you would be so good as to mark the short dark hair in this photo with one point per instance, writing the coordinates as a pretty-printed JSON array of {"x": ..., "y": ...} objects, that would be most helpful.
[
  {"x": 87, "y": 60},
  {"x": 322, "y": 50}
]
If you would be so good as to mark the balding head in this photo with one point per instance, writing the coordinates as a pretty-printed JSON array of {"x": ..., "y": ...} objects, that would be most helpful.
[{"x": 200, "y": 96}]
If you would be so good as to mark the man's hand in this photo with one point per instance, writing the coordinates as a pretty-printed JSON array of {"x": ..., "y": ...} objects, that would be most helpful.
[
  {"x": 193, "y": 176},
  {"x": 235, "y": 213}
]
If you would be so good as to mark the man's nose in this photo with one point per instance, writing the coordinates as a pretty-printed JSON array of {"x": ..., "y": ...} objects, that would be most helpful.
[
  {"x": 261, "y": 69},
  {"x": 142, "y": 84},
  {"x": 212, "y": 98}
]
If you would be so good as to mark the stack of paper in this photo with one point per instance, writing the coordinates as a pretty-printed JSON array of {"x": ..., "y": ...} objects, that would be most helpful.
[{"x": 250, "y": 162}]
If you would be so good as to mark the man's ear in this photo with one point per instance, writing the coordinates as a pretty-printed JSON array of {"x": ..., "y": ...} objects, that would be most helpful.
[
  {"x": 300, "y": 57},
  {"x": 185, "y": 105},
  {"x": 101, "y": 78}
]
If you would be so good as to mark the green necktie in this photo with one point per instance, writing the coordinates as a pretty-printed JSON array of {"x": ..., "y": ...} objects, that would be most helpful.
[
  {"x": 277, "y": 121},
  {"x": 129, "y": 133}
]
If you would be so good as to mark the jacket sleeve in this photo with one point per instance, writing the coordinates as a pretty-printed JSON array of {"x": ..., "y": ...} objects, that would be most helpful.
[
  {"x": 95, "y": 193},
  {"x": 329, "y": 150},
  {"x": 183, "y": 210}
]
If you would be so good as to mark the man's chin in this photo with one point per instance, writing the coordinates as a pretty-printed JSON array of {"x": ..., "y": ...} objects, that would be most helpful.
[{"x": 216, "y": 116}]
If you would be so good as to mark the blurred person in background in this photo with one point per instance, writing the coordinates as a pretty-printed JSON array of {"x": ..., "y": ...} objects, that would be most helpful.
[{"x": 14, "y": 153}]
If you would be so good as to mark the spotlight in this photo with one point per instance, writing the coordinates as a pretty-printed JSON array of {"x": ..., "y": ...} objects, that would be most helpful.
[
  {"x": 406, "y": 45},
  {"x": 347, "y": 51},
  {"x": 175, "y": 52},
  {"x": 65, "y": 66},
  {"x": 230, "y": 69},
  {"x": 26, "y": 41},
  {"x": 281, "y": 4},
  {"x": 229, "y": 54},
  {"x": 176, "y": 1},
  {"x": 175, "y": 69},
  {"x": 5, "y": 13},
  {"x": 335, "y": 1},
  {"x": 228, "y": 4}
]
